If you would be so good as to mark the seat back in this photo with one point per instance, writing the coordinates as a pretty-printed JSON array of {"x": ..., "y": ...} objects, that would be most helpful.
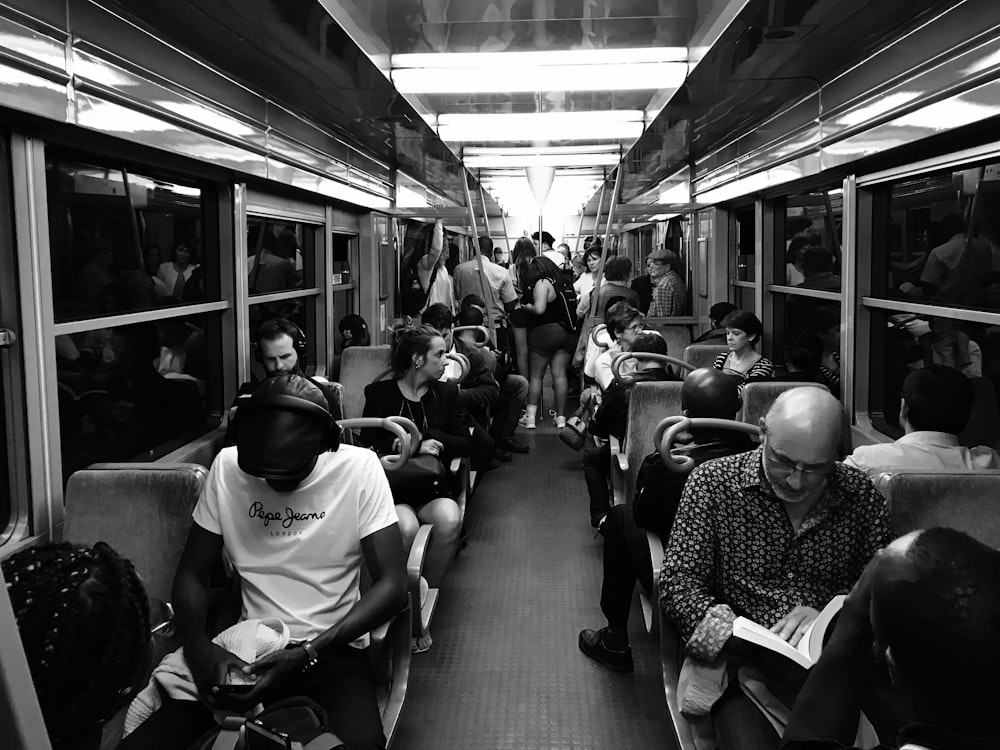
[
  {"x": 758, "y": 397},
  {"x": 359, "y": 366},
  {"x": 677, "y": 336},
  {"x": 983, "y": 427},
  {"x": 703, "y": 355},
  {"x": 964, "y": 500},
  {"x": 648, "y": 405},
  {"x": 143, "y": 510}
]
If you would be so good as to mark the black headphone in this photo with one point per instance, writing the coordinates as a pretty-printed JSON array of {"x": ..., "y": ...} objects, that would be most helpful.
[
  {"x": 275, "y": 451},
  {"x": 299, "y": 341}
]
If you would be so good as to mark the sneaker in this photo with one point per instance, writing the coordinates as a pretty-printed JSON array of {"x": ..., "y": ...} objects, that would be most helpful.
[
  {"x": 527, "y": 422},
  {"x": 559, "y": 422},
  {"x": 592, "y": 645},
  {"x": 511, "y": 445}
]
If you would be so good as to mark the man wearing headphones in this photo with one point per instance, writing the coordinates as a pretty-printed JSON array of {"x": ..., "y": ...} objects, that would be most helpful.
[
  {"x": 299, "y": 516},
  {"x": 280, "y": 347}
]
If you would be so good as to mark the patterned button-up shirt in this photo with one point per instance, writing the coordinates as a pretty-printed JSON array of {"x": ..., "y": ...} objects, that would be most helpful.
[
  {"x": 668, "y": 296},
  {"x": 733, "y": 550}
]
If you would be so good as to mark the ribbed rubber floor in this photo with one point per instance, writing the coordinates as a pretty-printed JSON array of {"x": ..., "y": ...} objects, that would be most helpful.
[{"x": 505, "y": 671}]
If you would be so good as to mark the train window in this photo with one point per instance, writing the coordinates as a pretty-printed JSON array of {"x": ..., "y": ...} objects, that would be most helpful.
[
  {"x": 136, "y": 391},
  {"x": 940, "y": 239},
  {"x": 806, "y": 339},
  {"x": 744, "y": 245},
  {"x": 744, "y": 298},
  {"x": 344, "y": 250},
  {"x": 810, "y": 249},
  {"x": 905, "y": 341},
  {"x": 123, "y": 242},
  {"x": 281, "y": 255},
  {"x": 5, "y": 446}
]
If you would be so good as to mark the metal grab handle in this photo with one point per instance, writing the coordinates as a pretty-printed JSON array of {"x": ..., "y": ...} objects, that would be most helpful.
[
  {"x": 616, "y": 364},
  {"x": 673, "y": 426},
  {"x": 478, "y": 329},
  {"x": 463, "y": 362},
  {"x": 594, "y": 333},
  {"x": 393, "y": 425}
]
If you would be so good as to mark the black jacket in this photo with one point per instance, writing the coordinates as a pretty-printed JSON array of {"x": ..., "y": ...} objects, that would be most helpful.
[{"x": 447, "y": 420}]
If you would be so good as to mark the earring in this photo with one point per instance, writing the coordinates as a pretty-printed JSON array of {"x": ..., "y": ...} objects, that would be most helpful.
[{"x": 419, "y": 365}]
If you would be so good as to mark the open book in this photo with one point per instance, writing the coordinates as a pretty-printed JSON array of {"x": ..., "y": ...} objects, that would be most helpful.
[{"x": 807, "y": 652}]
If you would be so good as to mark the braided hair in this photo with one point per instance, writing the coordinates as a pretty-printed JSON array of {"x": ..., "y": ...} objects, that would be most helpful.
[{"x": 83, "y": 618}]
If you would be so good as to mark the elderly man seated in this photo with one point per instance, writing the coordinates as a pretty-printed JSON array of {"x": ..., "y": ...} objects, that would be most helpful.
[
  {"x": 930, "y": 603},
  {"x": 937, "y": 404},
  {"x": 772, "y": 535}
]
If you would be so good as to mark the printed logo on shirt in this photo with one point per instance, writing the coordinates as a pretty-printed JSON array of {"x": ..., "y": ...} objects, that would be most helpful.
[{"x": 286, "y": 520}]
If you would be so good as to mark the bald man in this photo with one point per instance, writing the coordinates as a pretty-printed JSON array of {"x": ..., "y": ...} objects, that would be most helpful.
[
  {"x": 706, "y": 393},
  {"x": 931, "y": 603},
  {"x": 771, "y": 535}
]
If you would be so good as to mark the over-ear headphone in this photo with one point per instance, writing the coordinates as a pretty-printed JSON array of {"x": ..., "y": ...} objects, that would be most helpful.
[
  {"x": 271, "y": 329},
  {"x": 278, "y": 433}
]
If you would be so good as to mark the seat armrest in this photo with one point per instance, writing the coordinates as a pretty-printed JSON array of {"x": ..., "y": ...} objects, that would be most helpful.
[
  {"x": 619, "y": 476},
  {"x": 421, "y": 611},
  {"x": 670, "y": 661}
]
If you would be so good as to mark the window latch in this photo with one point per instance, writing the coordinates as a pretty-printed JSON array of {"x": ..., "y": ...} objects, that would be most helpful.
[{"x": 7, "y": 338}]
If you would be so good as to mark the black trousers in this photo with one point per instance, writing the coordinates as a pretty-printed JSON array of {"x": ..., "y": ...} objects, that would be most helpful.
[
  {"x": 597, "y": 474},
  {"x": 626, "y": 561},
  {"x": 343, "y": 684}
]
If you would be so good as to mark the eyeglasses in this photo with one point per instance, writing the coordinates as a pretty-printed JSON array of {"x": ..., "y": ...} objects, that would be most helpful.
[{"x": 807, "y": 470}]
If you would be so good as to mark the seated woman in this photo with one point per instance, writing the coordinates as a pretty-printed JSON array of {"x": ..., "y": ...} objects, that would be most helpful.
[
  {"x": 415, "y": 392},
  {"x": 743, "y": 332},
  {"x": 83, "y": 617}
]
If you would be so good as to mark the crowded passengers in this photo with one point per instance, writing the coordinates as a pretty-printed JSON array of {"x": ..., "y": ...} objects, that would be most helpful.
[{"x": 770, "y": 529}]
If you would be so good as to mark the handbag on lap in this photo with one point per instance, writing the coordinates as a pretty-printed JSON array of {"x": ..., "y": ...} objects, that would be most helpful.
[
  {"x": 420, "y": 479},
  {"x": 292, "y": 724}
]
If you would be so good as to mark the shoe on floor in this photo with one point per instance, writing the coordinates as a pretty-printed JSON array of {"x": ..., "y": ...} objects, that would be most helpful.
[
  {"x": 558, "y": 420},
  {"x": 527, "y": 422},
  {"x": 512, "y": 446},
  {"x": 501, "y": 455},
  {"x": 592, "y": 645},
  {"x": 493, "y": 464}
]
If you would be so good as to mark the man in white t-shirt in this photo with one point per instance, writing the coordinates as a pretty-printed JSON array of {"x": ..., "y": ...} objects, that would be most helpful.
[{"x": 298, "y": 516}]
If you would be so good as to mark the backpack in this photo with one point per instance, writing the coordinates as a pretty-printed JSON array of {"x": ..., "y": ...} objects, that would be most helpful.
[
  {"x": 413, "y": 296},
  {"x": 292, "y": 724},
  {"x": 565, "y": 304}
]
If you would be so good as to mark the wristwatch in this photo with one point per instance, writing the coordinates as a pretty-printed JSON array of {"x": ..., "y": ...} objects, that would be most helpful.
[{"x": 312, "y": 656}]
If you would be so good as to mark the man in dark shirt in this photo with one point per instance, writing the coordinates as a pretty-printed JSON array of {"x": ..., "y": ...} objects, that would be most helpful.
[
  {"x": 717, "y": 334},
  {"x": 643, "y": 285},
  {"x": 771, "y": 535},
  {"x": 931, "y": 603},
  {"x": 706, "y": 393}
]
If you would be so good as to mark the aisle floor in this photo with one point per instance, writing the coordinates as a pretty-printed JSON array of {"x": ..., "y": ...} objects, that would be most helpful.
[{"x": 505, "y": 672}]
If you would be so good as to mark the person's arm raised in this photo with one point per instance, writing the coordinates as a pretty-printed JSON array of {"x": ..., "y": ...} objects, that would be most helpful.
[{"x": 433, "y": 254}]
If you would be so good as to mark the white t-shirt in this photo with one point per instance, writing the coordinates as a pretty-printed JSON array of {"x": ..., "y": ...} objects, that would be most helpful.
[{"x": 299, "y": 553}]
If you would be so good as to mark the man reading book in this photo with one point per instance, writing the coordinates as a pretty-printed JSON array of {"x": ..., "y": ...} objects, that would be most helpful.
[
  {"x": 931, "y": 604},
  {"x": 772, "y": 535}
]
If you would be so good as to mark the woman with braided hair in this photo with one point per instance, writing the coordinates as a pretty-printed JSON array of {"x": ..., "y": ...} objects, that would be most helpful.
[{"x": 83, "y": 618}]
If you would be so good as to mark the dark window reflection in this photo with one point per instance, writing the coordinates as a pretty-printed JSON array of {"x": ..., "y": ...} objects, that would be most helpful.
[
  {"x": 902, "y": 342},
  {"x": 300, "y": 312},
  {"x": 812, "y": 242},
  {"x": 746, "y": 248},
  {"x": 807, "y": 341},
  {"x": 122, "y": 241},
  {"x": 135, "y": 391},
  {"x": 280, "y": 256},
  {"x": 938, "y": 239}
]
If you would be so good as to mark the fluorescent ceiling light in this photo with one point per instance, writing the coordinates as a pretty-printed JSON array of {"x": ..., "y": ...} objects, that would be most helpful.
[
  {"x": 597, "y": 148},
  {"x": 541, "y": 160},
  {"x": 534, "y": 59},
  {"x": 551, "y": 126},
  {"x": 503, "y": 79}
]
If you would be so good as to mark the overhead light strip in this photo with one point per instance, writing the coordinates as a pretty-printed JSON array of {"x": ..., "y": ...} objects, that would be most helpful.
[
  {"x": 594, "y": 148},
  {"x": 541, "y": 160},
  {"x": 533, "y": 59},
  {"x": 547, "y": 126},
  {"x": 517, "y": 79}
]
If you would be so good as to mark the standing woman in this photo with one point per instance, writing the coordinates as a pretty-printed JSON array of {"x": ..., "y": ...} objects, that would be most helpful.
[
  {"x": 585, "y": 284},
  {"x": 524, "y": 250},
  {"x": 743, "y": 332},
  {"x": 552, "y": 336},
  {"x": 177, "y": 272},
  {"x": 415, "y": 392}
]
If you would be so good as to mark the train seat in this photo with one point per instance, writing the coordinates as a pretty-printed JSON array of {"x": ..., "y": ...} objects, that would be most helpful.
[
  {"x": 649, "y": 403},
  {"x": 758, "y": 397},
  {"x": 964, "y": 500},
  {"x": 359, "y": 366},
  {"x": 983, "y": 427},
  {"x": 703, "y": 355},
  {"x": 143, "y": 510}
]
